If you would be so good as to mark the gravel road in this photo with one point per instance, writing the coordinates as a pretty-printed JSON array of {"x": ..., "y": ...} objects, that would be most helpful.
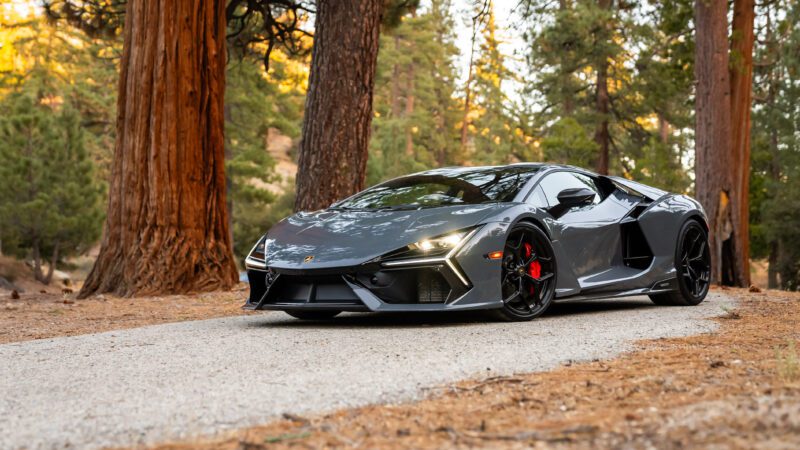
[{"x": 179, "y": 380}]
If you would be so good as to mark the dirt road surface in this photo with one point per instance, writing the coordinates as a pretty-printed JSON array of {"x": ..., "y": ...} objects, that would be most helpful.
[{"x": 174, "y": 381}]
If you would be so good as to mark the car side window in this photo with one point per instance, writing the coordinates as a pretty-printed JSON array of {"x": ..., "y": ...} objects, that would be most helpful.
[
  {"x": 556, "y": 182},
  {"x": 537, "y": 198}
]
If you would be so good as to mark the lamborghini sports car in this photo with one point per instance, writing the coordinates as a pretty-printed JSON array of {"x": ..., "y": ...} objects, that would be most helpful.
[{"x": 511, "y": 239}]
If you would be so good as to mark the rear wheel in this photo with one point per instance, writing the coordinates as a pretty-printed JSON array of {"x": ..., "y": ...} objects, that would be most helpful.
[
  {"x": 528, "y": 277},
  {"x": 313, "y": 315},
  {"x": 693, "y": 264}
]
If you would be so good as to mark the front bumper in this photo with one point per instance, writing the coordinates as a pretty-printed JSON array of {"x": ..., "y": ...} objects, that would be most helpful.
[
  {"x": 464, "y": 279},
  {"x": 433, "y": 287}
]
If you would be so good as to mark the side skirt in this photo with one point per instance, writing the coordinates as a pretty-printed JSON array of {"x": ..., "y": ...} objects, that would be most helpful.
[{"x": 658, "y": 287}]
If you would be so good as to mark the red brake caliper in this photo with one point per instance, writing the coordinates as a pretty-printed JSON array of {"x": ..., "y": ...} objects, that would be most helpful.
[{"x": 534, "y": 269}]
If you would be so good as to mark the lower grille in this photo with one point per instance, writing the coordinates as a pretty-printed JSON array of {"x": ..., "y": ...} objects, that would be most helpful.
[
  {"x": 408, "y": 286},
  {"x": 290, "y": 289},
  {"x": 431, "y": 287}
]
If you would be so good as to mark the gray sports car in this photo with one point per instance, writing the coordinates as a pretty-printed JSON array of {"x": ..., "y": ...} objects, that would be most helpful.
[{"x": 511, "y": 239}]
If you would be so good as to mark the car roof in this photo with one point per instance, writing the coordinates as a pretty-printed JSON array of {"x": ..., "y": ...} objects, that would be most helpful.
[{"x": 532, "y": 165}]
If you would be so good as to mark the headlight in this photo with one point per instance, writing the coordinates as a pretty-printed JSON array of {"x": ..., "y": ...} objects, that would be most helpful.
[
  {"x": 440, "y": 243},
  {"x": 437, "y": 250}
]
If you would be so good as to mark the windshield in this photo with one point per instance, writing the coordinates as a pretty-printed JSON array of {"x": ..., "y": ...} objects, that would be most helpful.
[{"x": 444, "y": 187}]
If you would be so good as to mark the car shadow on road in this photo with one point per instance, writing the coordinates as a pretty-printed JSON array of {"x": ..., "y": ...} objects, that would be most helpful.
[{"x": 441, "y": 319}]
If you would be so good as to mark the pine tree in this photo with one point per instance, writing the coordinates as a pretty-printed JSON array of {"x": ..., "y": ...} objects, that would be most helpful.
[
  {"x": 49, "y": 199},
  {"x": 775, "y": 175},
  {"x": 495, "y": 130},
  {"x": 256, "y": 102},
  {"x": 416, "y": 113},
  {"x": 612, "y": 83}
]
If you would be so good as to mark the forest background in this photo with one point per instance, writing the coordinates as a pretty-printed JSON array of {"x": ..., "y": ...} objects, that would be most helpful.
[{"x": 607, "y": 85}]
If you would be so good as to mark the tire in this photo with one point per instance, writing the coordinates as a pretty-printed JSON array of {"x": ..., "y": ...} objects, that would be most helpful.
[
  {"x": 693, "y": 266},
  {"x": 313, "y": 315},
  {"x": 528, "y": 274}
]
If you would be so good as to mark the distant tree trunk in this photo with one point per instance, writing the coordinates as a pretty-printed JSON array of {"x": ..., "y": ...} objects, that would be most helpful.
[
  {"x": 468, "y": 89},
  {"x": 53, "y": 261},
  {"x": 228, "y": 178},
  {"x": 772, "y": 268},
  {"x": 774, "y": 163},
  {"x": 410, "y": 112},
  {"x": 338, "y": 113},
  {"x": 663, "y": 129},
  {"x": 601, "y": 136},
  {"x": 37, "y": 261},
  {"x": 742, "y": 39},
  {"x": 167, "y": 228},
  {"x": 714, "y": 163},
  {"x": 394, "y": 92},
  {"x": 567, "y": 92}
]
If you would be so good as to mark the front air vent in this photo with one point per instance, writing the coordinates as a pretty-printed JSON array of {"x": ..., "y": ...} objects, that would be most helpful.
[{"x": 431, "y": 287}]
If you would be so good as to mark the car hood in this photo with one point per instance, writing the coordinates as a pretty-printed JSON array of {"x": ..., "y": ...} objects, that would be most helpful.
[{"x": 338, "y": 238}]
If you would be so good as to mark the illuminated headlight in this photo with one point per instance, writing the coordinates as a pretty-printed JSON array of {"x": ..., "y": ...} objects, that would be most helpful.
[
  {"x": 440, "y": 243},
  {"x": 439, "y": 250}
]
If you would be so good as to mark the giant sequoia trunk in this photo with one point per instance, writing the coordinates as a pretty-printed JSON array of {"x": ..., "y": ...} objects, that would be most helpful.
[
  {"x": 715, "y": 165},
  {"x": 338, "y": 112},
  {"x": 167, "y": 224},
  {"x": 742, "y": 39}
]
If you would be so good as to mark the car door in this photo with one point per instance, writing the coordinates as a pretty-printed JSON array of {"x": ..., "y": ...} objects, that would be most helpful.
[{"x": 589, "y": 234}]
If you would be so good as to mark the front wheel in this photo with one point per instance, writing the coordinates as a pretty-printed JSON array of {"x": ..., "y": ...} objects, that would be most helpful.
[
  {"x": 313, "y": 315},
  {"x": 528, "y": 277},
  {"x": 693, "y": 265}
]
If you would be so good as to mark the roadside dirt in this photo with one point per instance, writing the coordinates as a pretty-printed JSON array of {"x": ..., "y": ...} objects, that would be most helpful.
[
  {"x": 738, "y": 387},
  {"x": 46, "y": 314}
]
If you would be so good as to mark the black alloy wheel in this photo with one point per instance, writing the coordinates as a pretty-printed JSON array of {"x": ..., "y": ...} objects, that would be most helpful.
[
  {"x": 693, "y": 266},
  {"x": 528, "y": 277}
]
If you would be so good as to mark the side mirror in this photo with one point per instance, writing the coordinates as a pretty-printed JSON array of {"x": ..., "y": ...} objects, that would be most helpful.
[{"x": 569, "y": 198}]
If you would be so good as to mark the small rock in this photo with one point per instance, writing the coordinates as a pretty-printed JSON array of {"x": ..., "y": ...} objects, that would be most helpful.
[
  {"x": 754, "y": 288},
  {"x": 14, "y": 295},
  {"x": 68, "y": 301},
  {"x": 715, "y": 364}
]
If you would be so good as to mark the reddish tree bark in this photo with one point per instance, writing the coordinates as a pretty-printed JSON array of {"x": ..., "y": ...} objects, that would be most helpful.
[
  {"x": 742, "y": 39},
  {"x": 338, "y": 113},
  {"x": 167, "y": 225},
  {"x": 715, "y": 182}
]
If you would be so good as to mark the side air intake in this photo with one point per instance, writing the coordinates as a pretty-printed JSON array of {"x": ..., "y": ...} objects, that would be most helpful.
[{"x": 636, "y": 252}]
